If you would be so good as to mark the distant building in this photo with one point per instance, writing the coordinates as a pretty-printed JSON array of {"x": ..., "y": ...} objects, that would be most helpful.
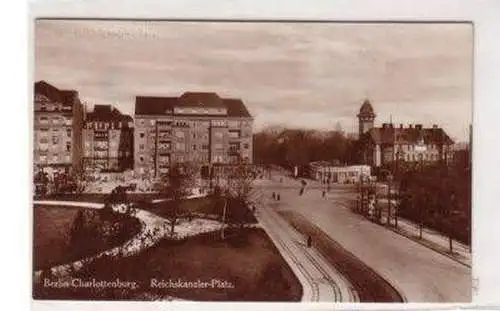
[
  {"x": 108, "y": 139},
  {"x": 366, "y": 117},
  {"x": 328, "y": 172},
  {"x": 199, "y": 128},
  {"x": 386, "y": 144},
  {"x": 58, "y": 117}
]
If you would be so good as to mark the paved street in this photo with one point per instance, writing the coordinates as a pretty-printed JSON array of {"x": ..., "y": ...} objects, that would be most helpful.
[
  {"x": 416, "y": 271},
  {"x": 320, "y": 281}
]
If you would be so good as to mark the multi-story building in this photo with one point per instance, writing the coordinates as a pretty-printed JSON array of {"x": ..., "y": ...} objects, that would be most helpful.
[
  {"x": 389, "y": 143},
  {"x": 58, "y": 117},
  {"x": 199, "y": 128},
  {"x": 108, "y": 139}
]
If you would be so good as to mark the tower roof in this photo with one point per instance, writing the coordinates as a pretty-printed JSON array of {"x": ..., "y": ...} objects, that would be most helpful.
[{"x": 366, "y": 109}]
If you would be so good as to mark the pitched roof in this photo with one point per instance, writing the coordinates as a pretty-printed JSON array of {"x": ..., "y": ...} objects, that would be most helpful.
[
  {"x": 66, "y": 97},
  {"x": 151, "y": 105},
  {"x": 201, "y": 99},
  {"x": 236, "y": 108},
  {"x": 107, "y": 113},
  {"x": 390, "y": 135},
  {"x": 155, "y": 105},
  {"x": 366, "y": 108}
]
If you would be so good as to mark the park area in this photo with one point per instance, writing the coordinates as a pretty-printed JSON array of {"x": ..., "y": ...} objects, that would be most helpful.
[
  {"x": 55, "y": 237},
  {"x": 240, "y": 264}
]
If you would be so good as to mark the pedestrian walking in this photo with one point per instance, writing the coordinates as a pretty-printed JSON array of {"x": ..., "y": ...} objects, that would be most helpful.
[
  {"x": 324, "y": 193},
  {"x": 309, "y": 241},
  {"x": 278, "y": 197},
  {"x": 274, "y": 195}
]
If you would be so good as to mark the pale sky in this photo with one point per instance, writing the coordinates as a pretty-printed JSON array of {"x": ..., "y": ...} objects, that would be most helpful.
[{"x": 294, "y": 74}]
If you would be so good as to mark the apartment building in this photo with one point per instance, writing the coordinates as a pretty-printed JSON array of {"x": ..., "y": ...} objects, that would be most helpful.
[
  {"x": 199, "y": 128},
  {"x": 108, "y": 140},
  {"x": 58, "y": 118}
]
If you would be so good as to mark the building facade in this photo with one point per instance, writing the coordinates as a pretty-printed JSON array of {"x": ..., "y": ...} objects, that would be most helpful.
[
  {"x": 108, "y": 140},
  {"x": 199, "y": 128},
  {"x": 329, "y": 173},
  {"x": 389, "y": 143},
  {"x": 58, "y": 118}
]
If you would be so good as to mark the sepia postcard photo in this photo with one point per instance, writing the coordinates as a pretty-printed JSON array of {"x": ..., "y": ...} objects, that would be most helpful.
[{"x": 252, "y": 161}]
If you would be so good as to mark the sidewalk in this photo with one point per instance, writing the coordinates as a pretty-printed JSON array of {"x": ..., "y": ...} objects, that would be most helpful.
[
  {"x": 431, "y": 239},
  {"x": 320, "y": 281}
]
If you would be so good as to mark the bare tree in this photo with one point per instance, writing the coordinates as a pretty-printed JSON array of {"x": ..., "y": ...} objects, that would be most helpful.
[
  {"x": 238, "y": 187},
  {"x": 178, "y": 183},
  {"x": 239, "y": 181}
]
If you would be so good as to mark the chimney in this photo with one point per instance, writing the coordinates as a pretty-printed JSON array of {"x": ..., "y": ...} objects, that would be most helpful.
[
  {"x": 410, "y": 126},
  {"x": 418, "y": 126},
  {"x": 434, "y": 126},
  {"x": 401, "y": 125}
]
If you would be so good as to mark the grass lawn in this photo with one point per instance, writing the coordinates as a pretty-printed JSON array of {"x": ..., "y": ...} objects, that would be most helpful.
[
  {"x": 249, "y": 263},
  {"x": 51, "y": 236}
]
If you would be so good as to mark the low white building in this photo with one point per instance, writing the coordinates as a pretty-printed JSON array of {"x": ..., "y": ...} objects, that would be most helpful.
[{"x": 327, "y": 172}]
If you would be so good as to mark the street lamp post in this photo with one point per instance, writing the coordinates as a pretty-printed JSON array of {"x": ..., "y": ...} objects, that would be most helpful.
[
  {"x": 389, "y": 179},
  {"x": 421, "y": 149}
]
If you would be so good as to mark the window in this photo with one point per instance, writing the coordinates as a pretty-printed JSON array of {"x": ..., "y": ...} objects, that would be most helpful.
[
  {"x": 44, "y": 141},
  {"x": 141, "y": 146},
  {"x": 141, "y": 134},
  {"x": 180, "y": 146},
  {"x": 55, "y": 158},
  {"x": 234, "y": 134},
  {"x": 218, "y": 135},
  {"x": 179, "y": 134},
  {"x": 194, "y": 135},
  {"x": 68, "y": 146},
  {"x": 204, "y": 147},
  {"x": 194, "y": 147},
  {"x": 218, "y": 146},
  {"x": 141, "y": 159},
  {"x": 68, "y": 133},
  {"x": 234, "y": 147},
  {"x": 246, "y": 145},
  {"x": 55, "y": 140},
  {"x": 43, "y": 158}
]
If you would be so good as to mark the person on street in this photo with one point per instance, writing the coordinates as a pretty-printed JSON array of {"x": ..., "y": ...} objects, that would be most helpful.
[{"x": 309, "y": 241}]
